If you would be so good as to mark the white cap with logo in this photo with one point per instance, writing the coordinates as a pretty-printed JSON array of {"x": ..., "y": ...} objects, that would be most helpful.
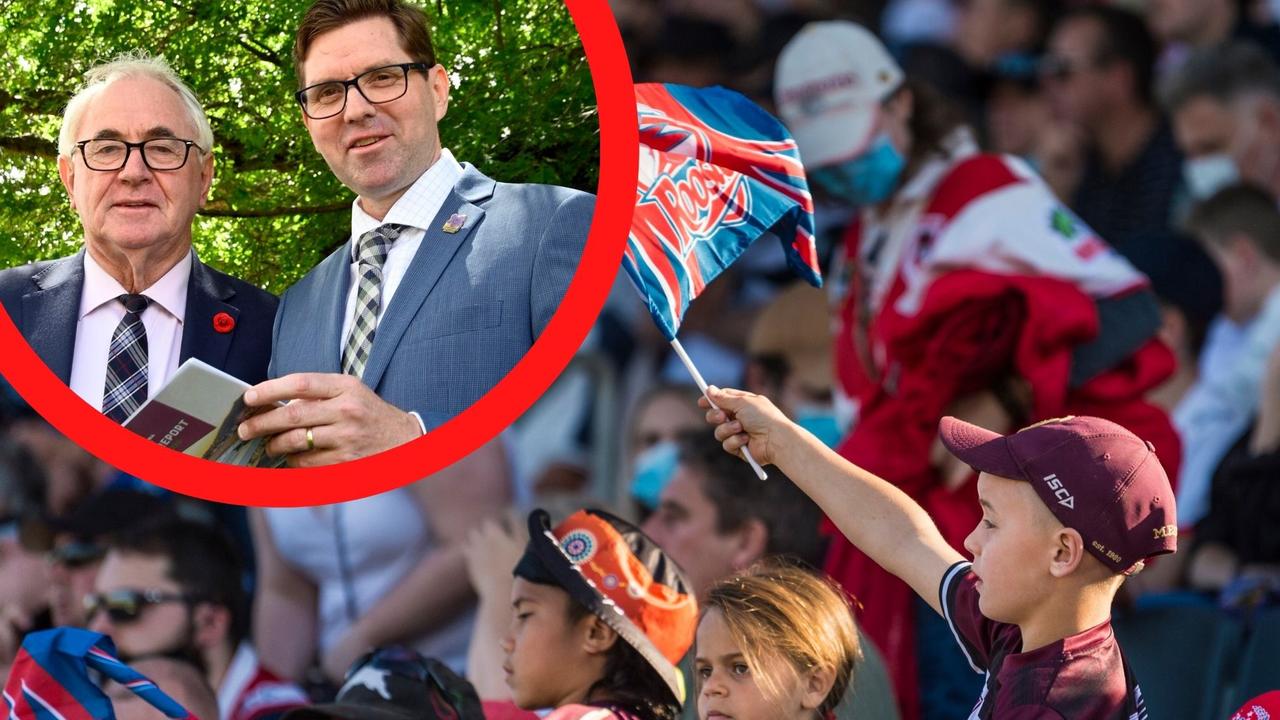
[{"x": 830, "y": 82}]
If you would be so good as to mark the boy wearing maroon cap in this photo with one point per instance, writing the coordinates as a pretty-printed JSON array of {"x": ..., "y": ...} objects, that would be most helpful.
[{"x": 1070, "y": 507}]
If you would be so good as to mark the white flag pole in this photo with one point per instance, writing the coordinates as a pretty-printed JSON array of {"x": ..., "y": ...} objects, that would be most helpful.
[{"x": 702, "y": 385}]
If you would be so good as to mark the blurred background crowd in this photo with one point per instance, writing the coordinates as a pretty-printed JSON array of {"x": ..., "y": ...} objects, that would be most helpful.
[{"x": 1156, "y": 122}]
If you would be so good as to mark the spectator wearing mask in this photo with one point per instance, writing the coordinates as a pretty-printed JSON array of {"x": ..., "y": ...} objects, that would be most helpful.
[
  {"x": 966, "y": 288},
  {"x": 1240, "y": 229},
  {"x": 1225, "y": 106},
  {"x": 1098, "y": 76},
  {"x": 175, "y": 589},
  {"x": 789, "y": 357},
  {"x": 660, "y": 417}
]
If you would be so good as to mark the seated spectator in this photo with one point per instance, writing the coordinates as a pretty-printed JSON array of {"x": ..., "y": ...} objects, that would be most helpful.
[
  {"x": 78, "y": 542},
  {"x": 24, "y": 594},
  {"x": 1098, "y": 74},
  {"x": 716, "y": 519},
  {"x": 1186, "y": 26},
  {"x": 339, "y": 580},
  {"x": 601, "y": 616},
  {"x": 179, "y": 679},
  {"x": 1225, "y": 106},
  {"x": 174, "y": 588},
  {"x": 789, "y": 357},
  {"x": 1237, "y": 544},
  {"x": 659, "y": 418},
  {"x": 1240, "y": 229},
  {"x": 397, "y": 684},
  {"x": 774, "y": 643}
]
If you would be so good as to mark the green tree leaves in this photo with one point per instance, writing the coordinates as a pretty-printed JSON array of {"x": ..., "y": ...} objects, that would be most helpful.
[{"x": 522, "y": 109}]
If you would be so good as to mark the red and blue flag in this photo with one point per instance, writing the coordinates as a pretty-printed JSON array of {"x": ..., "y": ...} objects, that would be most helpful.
[
  {"x": 49, "y": 679},
  {"x": 716, "y": 173}
]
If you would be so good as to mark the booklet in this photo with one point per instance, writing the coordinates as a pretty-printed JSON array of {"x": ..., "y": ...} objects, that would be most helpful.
[{"x": 197, "y": 413}]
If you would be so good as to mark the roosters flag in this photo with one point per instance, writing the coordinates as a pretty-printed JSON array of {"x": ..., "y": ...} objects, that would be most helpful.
[
  {"x": 50, "y": 680},
  {"x": 716, "y": 173}
]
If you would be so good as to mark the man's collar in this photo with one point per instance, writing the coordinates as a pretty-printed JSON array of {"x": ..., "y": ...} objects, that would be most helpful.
[
  {"x": 410, "y": 210},
  {"x": 169, "y": 292}
]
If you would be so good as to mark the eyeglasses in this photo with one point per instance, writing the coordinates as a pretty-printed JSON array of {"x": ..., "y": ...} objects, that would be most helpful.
[
  {"x": 124, "y": 606},
  {"x": 157, "y": 153},
  {"x": 377, "y": 86}
]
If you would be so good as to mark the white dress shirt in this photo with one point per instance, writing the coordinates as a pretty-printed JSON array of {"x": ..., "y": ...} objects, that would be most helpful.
[
  {"x": 100, "y": 314},
  {"x": 415, "y": 209},
  {"x": 1218, "y": 408}
]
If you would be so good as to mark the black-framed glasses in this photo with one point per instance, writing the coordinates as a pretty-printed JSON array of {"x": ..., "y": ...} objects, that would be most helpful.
[
  {"x": 157, "y": 153},
  {"x": 377, "y": 86},
  {"x": 124, "y": 606}
]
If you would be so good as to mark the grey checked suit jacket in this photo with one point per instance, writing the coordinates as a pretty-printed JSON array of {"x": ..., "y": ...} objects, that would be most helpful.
[{"x": 470, "y": 305}]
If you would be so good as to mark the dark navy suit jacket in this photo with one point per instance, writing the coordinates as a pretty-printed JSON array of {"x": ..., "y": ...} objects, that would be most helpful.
[{"x": 43, "y": 300}]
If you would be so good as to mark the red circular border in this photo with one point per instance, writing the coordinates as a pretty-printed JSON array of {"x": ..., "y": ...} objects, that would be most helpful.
[{"x": 611, "y": 77}]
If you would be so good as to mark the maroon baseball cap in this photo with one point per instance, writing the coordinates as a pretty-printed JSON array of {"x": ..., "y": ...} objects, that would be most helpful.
[{"x": 1095, "y": 476}]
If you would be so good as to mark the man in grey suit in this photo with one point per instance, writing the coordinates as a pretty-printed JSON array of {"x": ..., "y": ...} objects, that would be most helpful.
[{"x": 449, "y": 276}]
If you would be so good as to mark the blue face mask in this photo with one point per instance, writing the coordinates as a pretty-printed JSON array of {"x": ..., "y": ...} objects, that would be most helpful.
[
  {"x": 653, "y": 470},
  {"x": 821, "y": 422},
  {"x": 867, "y": 179}
]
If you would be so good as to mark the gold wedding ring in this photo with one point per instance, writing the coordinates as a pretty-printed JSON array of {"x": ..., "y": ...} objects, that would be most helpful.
[{"x": 311, "y": 441}]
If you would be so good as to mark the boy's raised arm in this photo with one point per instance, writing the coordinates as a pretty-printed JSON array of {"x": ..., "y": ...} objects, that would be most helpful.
[{"x": 877, "y": 517}]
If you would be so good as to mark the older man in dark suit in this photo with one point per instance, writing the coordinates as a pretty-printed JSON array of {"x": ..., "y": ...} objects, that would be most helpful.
[{"x": 115, "y": 320}]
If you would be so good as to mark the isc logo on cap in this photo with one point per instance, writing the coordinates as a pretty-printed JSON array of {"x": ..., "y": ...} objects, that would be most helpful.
[{"x": 1065, "y": 498}]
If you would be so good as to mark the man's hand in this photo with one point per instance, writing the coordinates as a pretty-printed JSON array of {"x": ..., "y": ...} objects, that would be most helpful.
[
  {"x": 346, "y": 419},
  {"x": 746, "y": 419}
]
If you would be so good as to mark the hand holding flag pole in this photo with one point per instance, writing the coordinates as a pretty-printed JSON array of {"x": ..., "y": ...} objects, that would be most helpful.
[
  {"x": 702, "y": 385},
  {"x": 716, "y": 173}
]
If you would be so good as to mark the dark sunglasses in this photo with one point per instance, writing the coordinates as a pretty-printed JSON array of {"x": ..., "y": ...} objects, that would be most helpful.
[{"x": 124, "y": 606}]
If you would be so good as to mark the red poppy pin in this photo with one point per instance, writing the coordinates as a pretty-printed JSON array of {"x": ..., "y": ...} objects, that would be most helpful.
[{"x": 223, "y": 322}]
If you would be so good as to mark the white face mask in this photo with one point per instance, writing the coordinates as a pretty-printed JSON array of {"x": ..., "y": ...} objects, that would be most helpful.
[{"x": 1208, "y": 174}]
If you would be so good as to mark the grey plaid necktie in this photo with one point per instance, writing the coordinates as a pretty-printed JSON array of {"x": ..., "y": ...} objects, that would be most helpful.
[
  {"x": 126, "y": 386},
  {"x": 371, "y": 254}
]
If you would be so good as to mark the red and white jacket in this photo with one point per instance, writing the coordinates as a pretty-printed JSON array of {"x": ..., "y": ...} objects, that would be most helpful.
[{"x": 251, "y": 692}]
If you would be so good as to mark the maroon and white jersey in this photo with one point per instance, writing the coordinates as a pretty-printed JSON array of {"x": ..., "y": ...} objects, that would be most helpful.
[
  {"x": 252, "y": 692},
  {"x": 1081, "y": 677}
]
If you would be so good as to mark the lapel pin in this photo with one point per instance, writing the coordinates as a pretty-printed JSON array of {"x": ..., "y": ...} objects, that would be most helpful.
[
  {"x": 224, "y": 323},
  {"x": 454, "y": 223}
]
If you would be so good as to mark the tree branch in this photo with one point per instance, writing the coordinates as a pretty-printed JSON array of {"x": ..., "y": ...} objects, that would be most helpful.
[
  {"x": 29, "y": 145},
  {"x": 259, "y": 52},
  {"x": 277, "y": 212}
]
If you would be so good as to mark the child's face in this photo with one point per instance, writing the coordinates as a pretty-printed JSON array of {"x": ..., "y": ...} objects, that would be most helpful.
[
  {"x": 727, "y": 685},
  {"x": 545, "y": 664},
  {"x": 1012, "y": 549}
]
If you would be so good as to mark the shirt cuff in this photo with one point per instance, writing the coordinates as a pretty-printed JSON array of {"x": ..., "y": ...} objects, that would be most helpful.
[{"x": 421, "y": 425}]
